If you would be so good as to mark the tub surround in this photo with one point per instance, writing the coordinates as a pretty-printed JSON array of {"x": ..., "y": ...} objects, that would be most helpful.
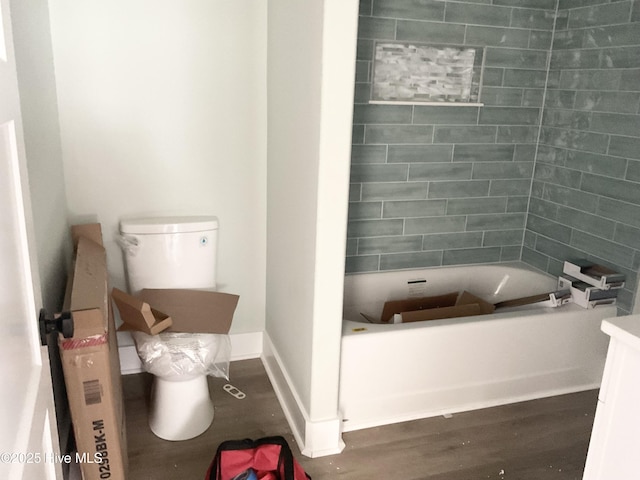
[
  {"x": 552, "y": 154},
  {"x": 585, "y": 199},
  {"x": 447, "y": 185}
]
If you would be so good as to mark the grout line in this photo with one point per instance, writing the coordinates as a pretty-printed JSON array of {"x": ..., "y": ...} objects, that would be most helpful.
[{"x": 542, "y": 110}]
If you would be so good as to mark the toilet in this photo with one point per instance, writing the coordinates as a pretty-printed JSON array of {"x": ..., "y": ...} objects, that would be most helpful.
[{"x": 174, "y": 252}]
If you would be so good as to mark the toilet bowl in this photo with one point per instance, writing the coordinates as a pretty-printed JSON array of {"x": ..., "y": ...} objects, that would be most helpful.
[
  {"x": 174, "y": 252},
  {"x": 181, "y": 407}
]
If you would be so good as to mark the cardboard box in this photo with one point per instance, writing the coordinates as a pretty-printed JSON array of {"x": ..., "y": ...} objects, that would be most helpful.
[
  {"x": 596, "y": 275},
  {"x": 91, "y": 363},
  {"x": 586, "y": 295},
  {"x": 138, "y": 315},
  {"x": 193, "y": 311},
  {"x": 450, "y": 305}
]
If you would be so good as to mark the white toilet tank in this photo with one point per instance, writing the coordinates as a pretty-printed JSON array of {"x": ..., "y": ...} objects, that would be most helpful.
[{"x": 170, "y": 252}]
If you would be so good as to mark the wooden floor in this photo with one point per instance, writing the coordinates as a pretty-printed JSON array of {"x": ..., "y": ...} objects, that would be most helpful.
[{"x": 541, "y": 439}]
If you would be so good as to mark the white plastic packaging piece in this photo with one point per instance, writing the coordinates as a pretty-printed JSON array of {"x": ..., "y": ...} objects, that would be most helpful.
[{"x": 170, "y": 353}]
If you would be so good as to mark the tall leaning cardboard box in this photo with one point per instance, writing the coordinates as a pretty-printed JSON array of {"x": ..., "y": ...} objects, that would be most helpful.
[{"x": 91, "y": 364}]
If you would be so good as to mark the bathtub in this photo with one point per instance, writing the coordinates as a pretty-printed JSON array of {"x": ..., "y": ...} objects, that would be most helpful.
[{"x": 396, "y": 372}]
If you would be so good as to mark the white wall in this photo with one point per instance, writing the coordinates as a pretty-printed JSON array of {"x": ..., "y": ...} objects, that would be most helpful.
[
  {"x": 34, "y": 62},
  {"x": 163, "y": 111},
  {"x": 294, "y": 77},
  {"x": 336, "y": 113},
  {"x": 310, "y": 94}
]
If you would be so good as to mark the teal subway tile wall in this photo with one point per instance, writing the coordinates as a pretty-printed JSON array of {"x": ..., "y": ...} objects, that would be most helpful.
[
  {"x": 467, "y": 169},
  {"x": 585, "y": 200},
  {"x": 547, "y": 169}
]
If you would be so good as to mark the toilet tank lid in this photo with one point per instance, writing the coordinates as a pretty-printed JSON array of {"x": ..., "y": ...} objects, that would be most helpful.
[{"x": 157, "y": 225}]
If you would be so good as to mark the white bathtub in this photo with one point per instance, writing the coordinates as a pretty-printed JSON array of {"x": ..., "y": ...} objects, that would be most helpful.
[{"x": 393, "y": 373}]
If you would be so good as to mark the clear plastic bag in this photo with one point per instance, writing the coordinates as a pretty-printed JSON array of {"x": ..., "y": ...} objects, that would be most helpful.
[{"x": 170, "y": 353}]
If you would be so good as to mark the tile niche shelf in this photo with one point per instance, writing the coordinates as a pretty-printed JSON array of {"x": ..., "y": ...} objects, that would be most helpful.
[{"x": 423, "y": 74}]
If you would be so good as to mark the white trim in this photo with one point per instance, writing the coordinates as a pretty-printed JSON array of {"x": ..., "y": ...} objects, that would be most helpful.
[
  {"x": 281, "y": 384},
  {"x": 129, "y": 361},
  {"x": 315, "y": 438},
  {"x": 320, "y": 438},
  {"x": 423, "y": 413},
  {"x": 246, "y": 345},
  {"x": 243, "y": 346},
  {"x": 439, "y": 104}
]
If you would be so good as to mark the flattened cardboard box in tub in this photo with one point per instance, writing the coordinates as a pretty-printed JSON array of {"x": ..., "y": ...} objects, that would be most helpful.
[
  {"x": 176, "y": 310},
  {"x": 91, "y": 364},
  {"x": 450, "y": 305}
]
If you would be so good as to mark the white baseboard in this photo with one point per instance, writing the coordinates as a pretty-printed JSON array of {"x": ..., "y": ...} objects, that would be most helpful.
[
  {"x": 246, "y": 345},
  {"x": 243, "y": 347},
  {"x": 315, "y": 439},
  {"x": 129, "y": 360}
]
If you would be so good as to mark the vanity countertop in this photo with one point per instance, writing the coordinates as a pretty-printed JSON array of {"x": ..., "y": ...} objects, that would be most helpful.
[{"x": 625, "y": 329}]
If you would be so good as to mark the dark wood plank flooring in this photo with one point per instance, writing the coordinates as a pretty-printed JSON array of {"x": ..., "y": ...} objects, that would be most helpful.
[{"x": 540, "y": 439}]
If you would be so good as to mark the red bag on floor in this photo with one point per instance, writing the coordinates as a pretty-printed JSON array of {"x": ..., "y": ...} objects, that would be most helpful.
[{"x": 268, "y": 458}]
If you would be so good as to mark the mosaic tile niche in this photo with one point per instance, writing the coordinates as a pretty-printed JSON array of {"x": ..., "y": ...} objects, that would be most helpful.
[{"x": 414, "y": 72}]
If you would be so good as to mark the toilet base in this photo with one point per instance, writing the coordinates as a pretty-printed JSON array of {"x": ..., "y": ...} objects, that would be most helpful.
[{"x": 180, "y": 410}]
